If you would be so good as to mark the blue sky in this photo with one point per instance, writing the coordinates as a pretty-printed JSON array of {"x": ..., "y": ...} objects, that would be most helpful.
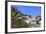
[{"x": 29, "y": 10}]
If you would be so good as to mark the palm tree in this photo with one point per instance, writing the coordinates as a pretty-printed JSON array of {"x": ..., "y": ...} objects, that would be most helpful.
[{"x": 17, "y": 22}]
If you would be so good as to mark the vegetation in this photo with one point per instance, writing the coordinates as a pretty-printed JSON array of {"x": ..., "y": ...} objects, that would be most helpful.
[{"x": 16, "y": 22}]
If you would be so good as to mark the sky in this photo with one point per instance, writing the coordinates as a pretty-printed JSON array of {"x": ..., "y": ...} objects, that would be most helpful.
[{"x": 29, "y": 10}]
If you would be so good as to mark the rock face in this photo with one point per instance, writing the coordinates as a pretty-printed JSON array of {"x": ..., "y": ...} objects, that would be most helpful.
[{"x": 33, "y": 21}]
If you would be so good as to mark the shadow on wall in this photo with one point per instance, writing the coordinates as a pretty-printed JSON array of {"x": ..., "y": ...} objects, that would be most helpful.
[
  {"x": 10, "y": 0},
  {"x": 12, "y": 33}
]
